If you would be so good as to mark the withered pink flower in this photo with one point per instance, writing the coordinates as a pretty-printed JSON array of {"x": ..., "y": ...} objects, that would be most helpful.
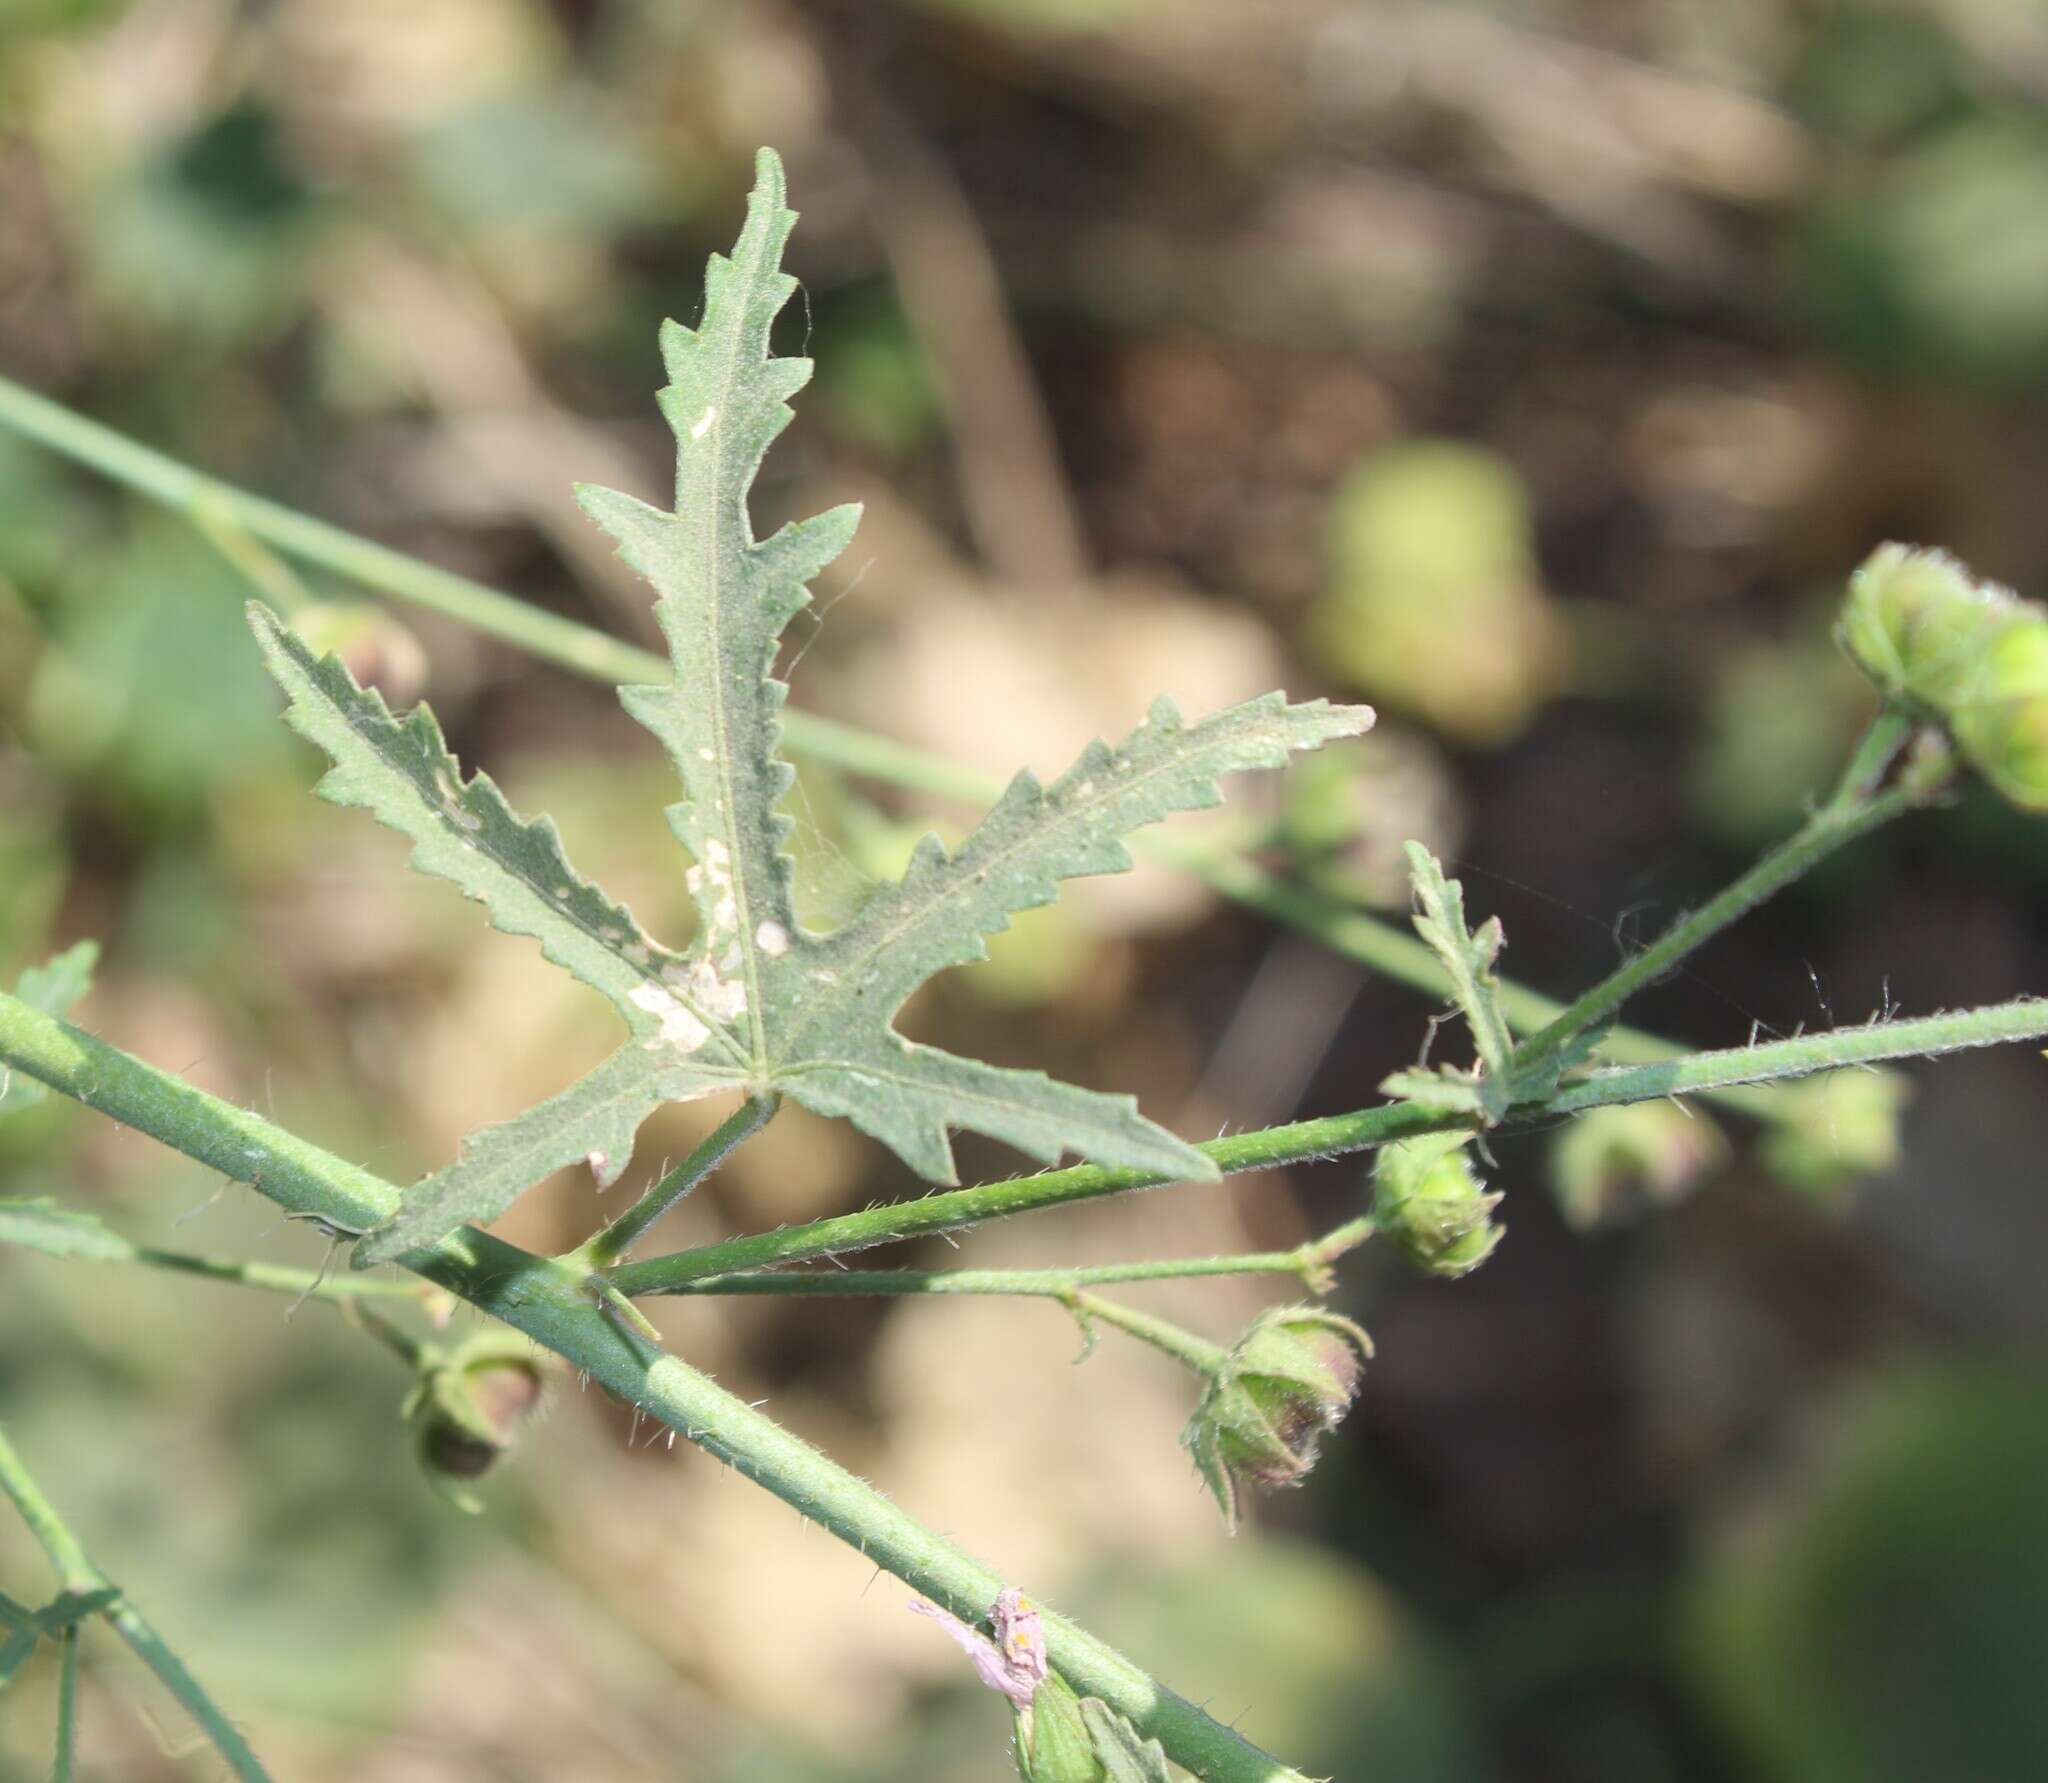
[{"x": 1014, "y": 1663}]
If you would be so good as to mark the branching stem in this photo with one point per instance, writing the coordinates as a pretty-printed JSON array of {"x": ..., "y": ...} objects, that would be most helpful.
[
  {"x": 77, "y": 1572},
  {"x": 1854, "y": 809},
  {"x": 551, "y": 1303},
  {"x": 1309, "y": 1263},
  {"x": 616, "y": 1241}
]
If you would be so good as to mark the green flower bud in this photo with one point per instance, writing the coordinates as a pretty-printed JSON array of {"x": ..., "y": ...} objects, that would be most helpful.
[
  {"x": 1427, "y": 1199},
  {"x": 1290, "y": 1378},
  {"x": 1833, "y": 1130},
  {"x": 2001, "y": 721},
  {"x": 1053, "y": 1742},
  {"x": 1917, "y": 623},
  {"x": 470, "y": 1405},
  {"x": 1615, "y": 1161}
]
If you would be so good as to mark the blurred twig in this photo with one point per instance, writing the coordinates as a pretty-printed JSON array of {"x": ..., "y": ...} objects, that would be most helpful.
[{"x": 75, "y": 1568}]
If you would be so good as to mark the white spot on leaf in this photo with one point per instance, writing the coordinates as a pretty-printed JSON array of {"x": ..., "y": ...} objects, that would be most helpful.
[
  {"x": 679, "y": 1028},
  {"x": 772, "y": 939},
  {"x": 702, "y": 425}
]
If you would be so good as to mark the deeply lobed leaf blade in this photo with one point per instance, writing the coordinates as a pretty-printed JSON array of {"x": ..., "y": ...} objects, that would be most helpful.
[
  {"x": 401, "y": 771},
  {"x": 723, "y": 601}
]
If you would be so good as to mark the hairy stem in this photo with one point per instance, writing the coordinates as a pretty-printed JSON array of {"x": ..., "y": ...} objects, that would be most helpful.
[
  {"x": 78, "y": 1573},
  {"x": 1854, "y": 809},
  {"x": 1163, "y": 1335},
  {"x": 616, "y": 1241},
  {"x": 1922, "y": 1037},
  {"x": 1304, "y": 1141},
  {"x": 551, "y": 1303},
  {"x": 1308, "y": 1262},
  {"x": 302, "y": 1284},
  {"x": 1295, "y": 1143}
]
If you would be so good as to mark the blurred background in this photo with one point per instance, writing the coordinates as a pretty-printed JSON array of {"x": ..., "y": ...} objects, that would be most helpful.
[{"x": 1536, "y": 371}]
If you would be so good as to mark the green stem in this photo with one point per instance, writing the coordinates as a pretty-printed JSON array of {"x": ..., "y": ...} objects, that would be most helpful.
[
  {"x": 1304, "y": 1141},
  {"x": 1394, "y": 953},
  {"x": 1163, "y": 1335},
  {"x": 1292, "y": 1144},
  {"x": 1853, "y": 810},
  {"x": 551, "y": 1303},
  {"x": 1309, "y": 1262},
  {"x": 305, "y": 1284},
  {"x": 616, "y": 1241},
  {"x": 76, "y": 1570},
  {"x": 67, "y": 1706},
  {"x": 1924, "y": 1037}
]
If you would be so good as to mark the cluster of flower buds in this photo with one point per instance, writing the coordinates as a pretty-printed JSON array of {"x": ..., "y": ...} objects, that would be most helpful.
[
  {"x": 470, "y": 1405},
  {"x": 1268, "y": 1401},
  {"x": 1970, "y": 655},
  {"x": 1427, "y": 1199}
]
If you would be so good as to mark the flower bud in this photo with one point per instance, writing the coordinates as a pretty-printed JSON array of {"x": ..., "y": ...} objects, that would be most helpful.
[
  {"x": 2001, "y": 721},
  {"x": 1612, "y": 1162},
  {"x": 1053, "y": 1741},
  {"x": 1290, "y": 1378},
  {"x": 469, "y": 1406},
  {"x": 1427, "y": 1199},
  {"x": 1916, "y": 622}
]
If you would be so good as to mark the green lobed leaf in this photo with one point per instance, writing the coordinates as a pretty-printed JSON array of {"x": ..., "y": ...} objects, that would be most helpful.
[
  {"x": 757, "y": 1003},
  {"x": 56, "y": 1231},
  {"x": 54, "y": 988}
]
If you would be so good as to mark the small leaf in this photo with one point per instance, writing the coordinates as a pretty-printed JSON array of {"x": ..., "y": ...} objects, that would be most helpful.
[
  {"x": 1126, "y": 1756},
  {"x": 1469, "y": 959},
  {"x": 1445, "y": 1090},
  {"x": 42, "y": 1225},
  {"x": 53, "y": 988}
]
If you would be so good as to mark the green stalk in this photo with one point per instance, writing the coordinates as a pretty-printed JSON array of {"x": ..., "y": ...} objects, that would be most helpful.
[
  {"x": 67, "y": 1706},
  {"x": 612, "y": 1244},
  {"x": 551, "y": 1302},
  {"x": 1309, "y": 1262},
  {"x": 1295, "y": 1143},
  {"x": 1163, "y": 1335},
  {"x": 76, "y": 1570},
  {"x": 1854, "y": 809},
  {"x": 305, "y": 1284},
  {"x": 1303, "y": 1141},
  {"x": 1925, "y": 1037}
]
